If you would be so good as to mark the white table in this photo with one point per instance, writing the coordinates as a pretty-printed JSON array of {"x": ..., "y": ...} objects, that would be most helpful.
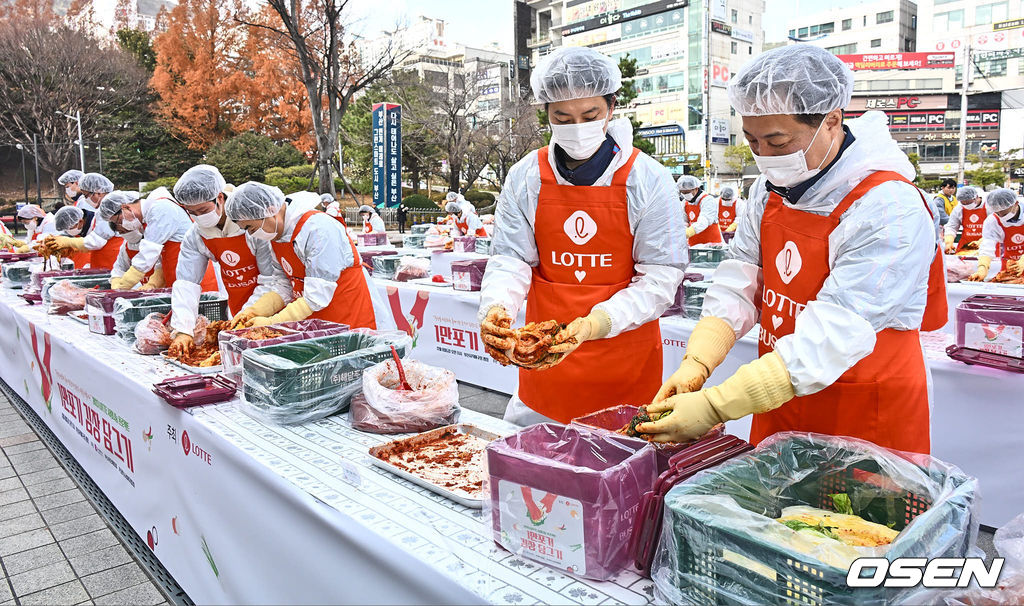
[{"x": 243, "y": 512}]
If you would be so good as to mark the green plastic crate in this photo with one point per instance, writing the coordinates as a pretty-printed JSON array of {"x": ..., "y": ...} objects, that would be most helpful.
[
  {"x": 483, "y": 246},
  {"x": 17, "y": 274},
  {"x": 713, "y": 549},
  {"x": 129, "y": 312},
  {"x": 414, "y": 241},
  {"x": 706, "y": 254},
  {"x": 420, "y": 229},
  {"x": 305, "y": 380}
]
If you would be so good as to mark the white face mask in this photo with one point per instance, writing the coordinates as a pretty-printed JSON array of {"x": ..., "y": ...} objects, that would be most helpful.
[
  {"x": 262, "y": 234},
  {"x": 790, "y": 169},
  {"x": 1010, "y": 216},
  {"x": 579, "y": 141},
  {"x": 688, "y": 197},
  {"x": 132, "y": 237},
  {"x": 972, "y": 204},
  {"x": 32, "y": 225},
  {"x": 74, "y": 231},
  {"x": 208, "y": 220},
  {"x": 70, "y": 194},
  {"x": 132, "y": 224}
]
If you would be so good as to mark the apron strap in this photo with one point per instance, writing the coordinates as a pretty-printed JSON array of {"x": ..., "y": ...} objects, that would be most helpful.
[
  {"x": 302, "y": 221},
  {"x": 871, "y": 181},
  {"x": 547, "y": 176},
  {"x": 622, "y": 174}
]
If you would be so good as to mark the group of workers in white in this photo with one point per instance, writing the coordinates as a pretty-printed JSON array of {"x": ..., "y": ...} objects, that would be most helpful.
[{"x": 836, "y": 256}]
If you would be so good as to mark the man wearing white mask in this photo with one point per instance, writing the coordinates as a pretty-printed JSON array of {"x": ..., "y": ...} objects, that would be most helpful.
[
  {"x": 729, "y": 209},
  {"x": 72, "y": 195},
  {"x": 247, "y": 266},
  {"x": 701, "y": 212},
  {"x": 839, "y": 261},
  {"x": 588, "y": 232},
  {"x": 73, "y": 222},
  {"x": 102, "y": 243},
  {"x": 970, "y": 214},
  {"x": 1003, "y": 227}
]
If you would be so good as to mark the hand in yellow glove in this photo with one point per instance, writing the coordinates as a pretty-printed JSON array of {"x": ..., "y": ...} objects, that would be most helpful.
[
  {"x": 595, "y": 325},
  {"x": 23, "y": 249},
  {"x": 691, "y": 232},
  {"x": 128, "y": 281},
  {"x": 982, "y": 273},
  {"x": 182, "y": 344},
  {"x": 17, "y": 242},
  {"x": 293, "y": 312},
  {"x": 72, "y": 243},
  {"x": 707, "y": 347},
  {"x": 950, "y": 245},
  {"x": 757, "y": 387},
  {"x": 156, "y": 280},
  {"x": 732, "y": 227},
  {"x": 267, "y": 305},
  {"x": 1017, "y": 265}
]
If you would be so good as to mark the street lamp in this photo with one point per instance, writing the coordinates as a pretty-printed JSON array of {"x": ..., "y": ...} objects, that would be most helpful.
[
  {"x": 81, "y": 146},
  {"x": 24, "y": 174}
]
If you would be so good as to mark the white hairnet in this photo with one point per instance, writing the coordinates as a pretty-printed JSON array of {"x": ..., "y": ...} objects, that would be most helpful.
[
  {"x": 728, "y": 193},
  {"x": 67, "y": 217},
  {"x": 1001, "y": 199},
  {"x": 453, "y": 207},
  {"x": 366, "y": 209},
  {"x": 687, "y": 182},
  {"x": 326, "y": 198},
  {"x": 132, "y": 195},
  {"x": 72, "y": 176},
  {"x": 799, "y": 79},
  {"x": 451, "y": 196},
  {"x": 199, "y": 184},
  {"x": 966, "y": 193},
  {"x": 31, "y": 211},
  {"x": 253, "y": 201},
  {"x": 574, "y": 72},
  {"x": 96, "y": 183},
  {"x": 111, "y": 203}
]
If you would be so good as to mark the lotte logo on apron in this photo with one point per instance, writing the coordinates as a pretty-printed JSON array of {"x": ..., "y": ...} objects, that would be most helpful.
[
  {"x": 788, "y": 262},
  {"x": 580, "y": 227},
  {"x": 973, "y": 218},
  {"x": 287, "y": 267},
  {"x": 230, "y": 258},
  {"x": 1017, "y": 238}
]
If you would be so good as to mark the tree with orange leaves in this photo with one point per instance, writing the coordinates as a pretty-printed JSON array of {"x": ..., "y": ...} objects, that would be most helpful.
[{"x": 197, "y": 76}]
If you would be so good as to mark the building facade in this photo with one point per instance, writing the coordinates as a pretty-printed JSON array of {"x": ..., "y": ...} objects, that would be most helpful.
[
  {"x": 667, "y": 39},
  {"x": 869, "y": 27}
]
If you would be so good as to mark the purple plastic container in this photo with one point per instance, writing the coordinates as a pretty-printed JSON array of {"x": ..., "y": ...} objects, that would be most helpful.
[
  {"x": 372, "y": 239},
  {"x": 469, "y": 274},
  {"x": 678, "y": 307},
  {"x": 36, "y": 281},
  {"x": 368, "y": 255},
  {"x": 99, "y": 305},
  {"x": 567, "y": 497},
  {"x": 990, "y": 331},
  {"x": 464, "y": 244}
]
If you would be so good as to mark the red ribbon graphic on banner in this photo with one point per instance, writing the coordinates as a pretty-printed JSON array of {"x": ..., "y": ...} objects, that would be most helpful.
[{"x": 45, "y": 373}]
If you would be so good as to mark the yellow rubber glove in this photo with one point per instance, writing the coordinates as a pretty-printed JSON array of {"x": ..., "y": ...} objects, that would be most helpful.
[
  {"x": 1018, "y": 265},
  {"x": 18, "y": 243},
  {"x": 707, "y": 347},
  {"x": 983, "y": 264},
  {"x": 595, "y": 325},
  {"x": 155, "y": 281},
  {"x": 73, "y": 243},
  {"x": 267, "y": 305},
  {"x": 24, "y": 248},
  {"x": 182, "y": 344},
  {"x": 732, "y": 227},
  {"x": 950, "y": 245},
  {"x": 690, "y": 232},
  {"x": 128, "y": 281},
  {"x": 293, "y": 312},
  {"x": 757, "y": 387}
]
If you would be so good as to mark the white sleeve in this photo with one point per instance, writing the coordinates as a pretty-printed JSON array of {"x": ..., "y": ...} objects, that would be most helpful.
[
  {"x": 735, "y": 292},
  {"x": 377, "y": 224},
  {"x": 474, "y": 223},
  {"x": 149, "y": 254},
  {"x": 514, "y": 248},
  {"x": 193, "y": 259},
  {"x": 992, "y": 234},
  {"x": 272, "y": 278},
  {"x": 325, "y": 251},
  {"x": 708, "y": 213},
  {"x": 122, "y": 263},
  {"x": 953, "y": 225},
  {"x": 660, "y": 252},
  {"x": 185, "y": 305}
]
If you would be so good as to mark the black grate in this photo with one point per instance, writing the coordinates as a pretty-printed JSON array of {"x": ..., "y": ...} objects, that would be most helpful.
[{"x": 131, "y": 540}]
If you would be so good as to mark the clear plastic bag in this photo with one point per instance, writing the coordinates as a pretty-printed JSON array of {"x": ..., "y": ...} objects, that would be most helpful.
[
  {"x": 958, "y": 268},
  {"x": 568, "y": 497},
  {"x": 68, "y": 295},
  {"x": 411, "y": 268},
  {"x": 721, "y": 541},
  {"x": 434, "y": 401},
  {"x": 151, "y": 335}
]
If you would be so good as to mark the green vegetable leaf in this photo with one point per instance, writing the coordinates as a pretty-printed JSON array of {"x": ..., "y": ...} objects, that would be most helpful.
[
  {"x": 821, "y": 529},
  {"x": 842, "y": 504}
]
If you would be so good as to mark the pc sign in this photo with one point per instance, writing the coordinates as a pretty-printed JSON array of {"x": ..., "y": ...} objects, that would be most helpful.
[{"x": 937, "y": 573}]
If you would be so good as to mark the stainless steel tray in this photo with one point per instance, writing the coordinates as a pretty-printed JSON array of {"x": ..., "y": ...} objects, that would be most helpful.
[
  {"x": 460, "y": 497},
  {"x": 196, "y": 370},
  {"x": 83, "y": 318}
]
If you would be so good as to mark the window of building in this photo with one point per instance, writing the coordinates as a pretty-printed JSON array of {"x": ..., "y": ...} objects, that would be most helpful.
[
  {"x": 865, "y": 20},
  {"x": 990, "y": 69},
  {"x": 913, "y": 21},
  {"x": 948, "y": 21},
  {"x": 876, "y": 43},
  {"x": 990, "y": 13},
  {"x": 803, "y": 32},
  {"x": 843, "y": 49},
  {"x": 750, "y": 19},
  {"x": 885, "y": 17},
  {"x": 847, "y": 24},
  {"x": 734, "y": 47},
  {"x": 792, "y": 33},
  {"x": 750, "y": 50},
  {"x": 735, "y": 16},
  {"x": 732, "y": 139}
]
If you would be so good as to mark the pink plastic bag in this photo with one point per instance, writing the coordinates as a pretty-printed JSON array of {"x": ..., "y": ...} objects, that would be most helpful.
[{"x": 567, "y": 497}]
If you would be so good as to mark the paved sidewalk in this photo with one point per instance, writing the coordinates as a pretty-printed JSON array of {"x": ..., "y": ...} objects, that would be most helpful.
[{"x": 54, "y": 547}]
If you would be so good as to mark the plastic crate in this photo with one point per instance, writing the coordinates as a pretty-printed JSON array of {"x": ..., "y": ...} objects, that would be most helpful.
[
  {"x": 386, "y": 266},
  {"x": 990, "y": 331},
  {"x": 715, "y": 546},
  {"x": 100, "y": 306},
  {"x": 306, "y": 380},
  {"x": 13, "y": 257},
  {"x": 18, "y": 274},
  {"x": 36, "y": 283},
  {"x": 483, "y": 246},
  {"x": 414, "y": 241},
  {"x": 420, "y": 229},
  {"x": 695, "y": 292},
  {"x": 707, "y": 254},
  {"x": 468, "y": 275},
  {"x": 100, "y": 282},
  {"x": 233, "y": 343},
  {"x": 678, "y": 306},
  {"x": 367, "y": 257},
  {"x": 129, "y": 312},
  {"x": 464, "y": 244}
]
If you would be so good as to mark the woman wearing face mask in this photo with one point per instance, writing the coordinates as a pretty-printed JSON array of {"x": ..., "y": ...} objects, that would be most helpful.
[
  {"x": 729, "y": 210},
  {"x": 839, "y": 262},
  {"x": 38, "y": 223},
  {"x": 701, "y": 212},
  {"x": 246, "y": 264},
  {"x": 100, "y": 241},
  {"x": 467, "y": 223},
  {"x": 589, "y": 232},
  {"x": 163, "y": 225},
  {"x": 130, "y": 241},
  {"x": 72, "y": 195},
  {"x": 1004, "y": 226},
  {"x": 970, "y": 214},
  {"x": 328, "y": 281},
  {"x": 372, "y": 223},
  {"x": 72, "y": 223}
]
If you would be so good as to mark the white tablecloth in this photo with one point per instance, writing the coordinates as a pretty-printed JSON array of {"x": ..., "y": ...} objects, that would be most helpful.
[
  {"x": 242, "y": 512},
  {"x": 976, "y": 422}
]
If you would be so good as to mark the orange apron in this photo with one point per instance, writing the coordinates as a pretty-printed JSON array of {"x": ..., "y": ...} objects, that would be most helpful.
[
  {"x": 586, "y": 256},
  {"x": 1013, "y": 242},
  {"x": 367, "y": 227},
  {"x": 238, "y": 269},
  {"x": 726, "y": 215},
  {"x": 105, "y": 257},
  {"x": 712, "y": 234},
  {"x": 884, "y": 397},
  {"x": 971, "y": 222},
  {"x": 169, "y": 265},
  {"x": 351, "y": 304},
  {"x": 464, "y": 229}
]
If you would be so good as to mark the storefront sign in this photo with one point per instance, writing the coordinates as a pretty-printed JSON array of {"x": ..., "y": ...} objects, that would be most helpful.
[
  {"x": 1005, "y": 25},
  {"x": 720, "y": 75},
  {"x": 979, "y": 118},
  {"x": 743, "y": 35},
  {"x": 721, "y": 28},
  {"x": 661, "y": 131},
  {"x": 1009, "y": 53},
  {"x": 720, "y": 131},
  {"x": 612, "y": 17},
  {"x": 899, "y": 102},
  {"x": 899, "y": 61}
]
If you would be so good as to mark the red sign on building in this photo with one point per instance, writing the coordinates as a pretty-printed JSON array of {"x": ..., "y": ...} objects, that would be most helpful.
[{"x": 899, "y": 61}]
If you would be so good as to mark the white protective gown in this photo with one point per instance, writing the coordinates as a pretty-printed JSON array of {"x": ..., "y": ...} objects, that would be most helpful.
[
  {"x": 164, "y": 221},
  {"x": 376, "y": 225},
  {"x": 325, "y": 251},
  {"x": 660, "y": 252},
  {"x": 99, "y": 234},
  {"x": 708, "y": 212},
  {"x": 992, "y": 234},
  {"x": 193, "y": 261},
  {"x": 47, "y": 226},
  {"x": 956, "y": 218},
  {"x": 880, "y": 255}
]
